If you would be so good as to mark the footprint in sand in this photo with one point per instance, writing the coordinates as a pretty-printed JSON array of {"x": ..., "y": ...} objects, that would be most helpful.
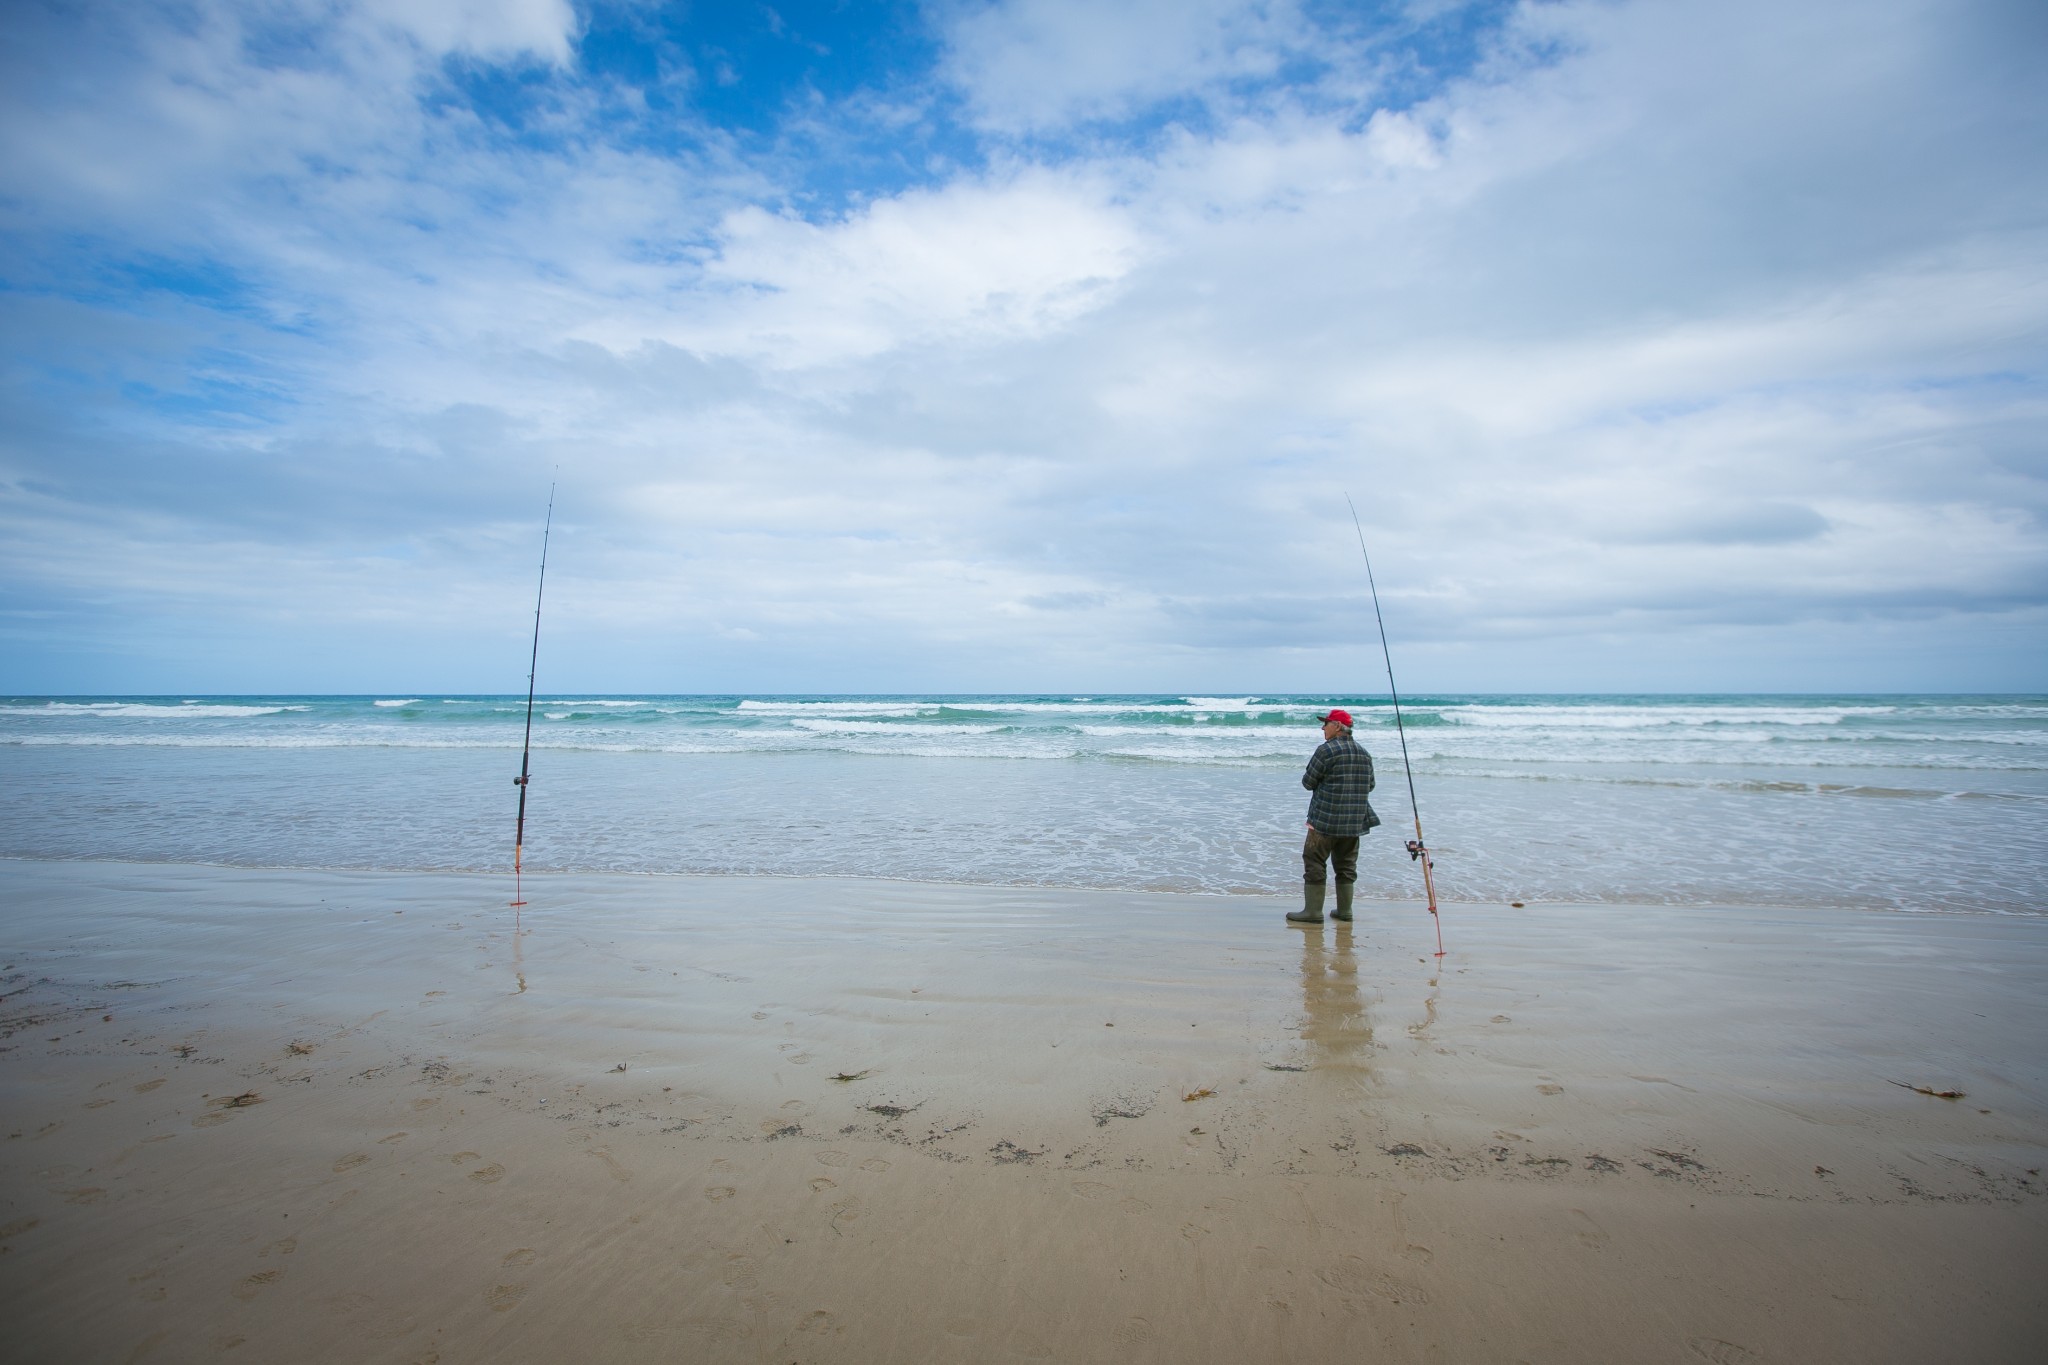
[
  {"x": 822, "y": 1183},
  {"x": 874, "y": 1163},
  {"x": 1093, "y": 1189},
  {"x": 91, "y": 1194},
  {"x": 1721, "y": 1352},
  {"x": 819, "y": 1323},
  {"x": 503, "y": 1298},
  {"x": 833, "y": 1158},
  {"x": 248, "y": 1289},
  {"x": 211, "y": 1120},
  {"x": 1134, "y": 1332},
  {"x": 1550, "y": 1090},
  {"x": 350, "y": 1162},
  {"x": 1352, "y": 1275},
  {"x": 395, "y": 1137},
  {"x": 718, "y": 1194},
  {"x": 461, "y": 1157},
  {"x": 738, "y": 1271},
  {"x": 148, "y": 1086},
  {"x": 97, "y": 1104},
  {"x": 423, "y": 1104},
  {"x": 611, "y": 1167},
  {"x": 518, "y": 1256},
  {"x": 1130, "y": 1203},
  {"x": 484, "y": 1175},
  {"x": 283, "y": 1248},
  {"x": 1587, "y": 1232}
]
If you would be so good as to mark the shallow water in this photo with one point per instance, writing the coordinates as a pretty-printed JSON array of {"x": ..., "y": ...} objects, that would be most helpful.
[{"x": 1916, "y": 803}]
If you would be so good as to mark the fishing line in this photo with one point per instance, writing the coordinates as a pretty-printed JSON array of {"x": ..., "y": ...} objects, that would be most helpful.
[
  {"x": 532, "y": 667},
  {"x": 1417, "y": 850}
]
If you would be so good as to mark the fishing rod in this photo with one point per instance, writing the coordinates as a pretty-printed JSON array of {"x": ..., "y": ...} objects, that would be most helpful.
[
  {"x": 1417, "y": 850},
  {"x": 532, "y": 667}
]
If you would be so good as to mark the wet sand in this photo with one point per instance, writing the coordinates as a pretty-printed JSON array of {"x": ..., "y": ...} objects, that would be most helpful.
[{"x": 319, "y": 1116}]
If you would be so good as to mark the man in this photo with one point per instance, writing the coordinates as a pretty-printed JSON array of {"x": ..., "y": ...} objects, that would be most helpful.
[{"x": 1340, "y": 775}]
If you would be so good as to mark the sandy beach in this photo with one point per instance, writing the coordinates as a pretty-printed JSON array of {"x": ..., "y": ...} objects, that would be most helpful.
[{"x": 325, "y": 1116}]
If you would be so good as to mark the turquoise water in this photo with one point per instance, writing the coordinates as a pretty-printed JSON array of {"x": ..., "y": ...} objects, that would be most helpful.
[{"x": 1916, "y": 802}]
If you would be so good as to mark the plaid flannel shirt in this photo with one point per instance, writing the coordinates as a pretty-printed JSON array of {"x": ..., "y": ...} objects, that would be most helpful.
[{"x": 1340, "y": 775}]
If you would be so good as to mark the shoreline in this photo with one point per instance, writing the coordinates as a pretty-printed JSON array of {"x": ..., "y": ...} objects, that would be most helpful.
[
  {"x": 620, "y": 1132},
  {"x": 1415, "y": 903}
]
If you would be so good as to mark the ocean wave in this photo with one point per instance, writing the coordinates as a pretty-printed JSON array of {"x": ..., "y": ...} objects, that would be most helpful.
[
  {"x": 1169, "y": 709},
  {"x": 1759, "y": 786},
  {"x": 838, "y": 708},
  {"x": 627, "y": 705},
  {"x": 67, "y": 710},
  {"x": 1212, "y": 740},
  {"x": 1650, "y": 717},
  {"x": 1228, "y": 748},
  {"x": 2024, "y": 738},
  {"x": 402, "y": 701},
  {"x": 884, "y": 727}
]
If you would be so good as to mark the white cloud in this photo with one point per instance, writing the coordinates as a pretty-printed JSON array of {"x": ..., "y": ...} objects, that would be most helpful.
[
  {"x": 482, "y": 28},
  {"x": 1688, "y": 319},
  {"x": 1041, "y": 64},
  {"x": 971, "y": 264}
]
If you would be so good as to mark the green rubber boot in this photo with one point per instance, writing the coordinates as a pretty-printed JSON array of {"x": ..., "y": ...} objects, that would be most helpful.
[
  {"x": 1311, "y": 911},
  {"x": 1343, "y": 910}
]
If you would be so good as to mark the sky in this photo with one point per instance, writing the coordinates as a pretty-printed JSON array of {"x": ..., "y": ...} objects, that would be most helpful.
[{"x": 1023, "y": 346}]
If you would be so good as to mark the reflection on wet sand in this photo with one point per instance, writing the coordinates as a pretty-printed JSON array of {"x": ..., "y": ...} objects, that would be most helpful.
[
  {"x": 1334, "y": 1021},
  {"x": 518, "y": 952}
]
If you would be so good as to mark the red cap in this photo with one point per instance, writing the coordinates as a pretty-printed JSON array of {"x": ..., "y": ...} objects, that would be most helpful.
[{"x": 1343, "y": 718}]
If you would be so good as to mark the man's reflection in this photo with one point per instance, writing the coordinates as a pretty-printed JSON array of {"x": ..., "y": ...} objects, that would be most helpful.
[{"x": 1334, "y": 1021}]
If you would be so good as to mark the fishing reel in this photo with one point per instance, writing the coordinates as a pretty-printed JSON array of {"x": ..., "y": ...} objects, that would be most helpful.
[{"x": 1415, "y": 849}]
